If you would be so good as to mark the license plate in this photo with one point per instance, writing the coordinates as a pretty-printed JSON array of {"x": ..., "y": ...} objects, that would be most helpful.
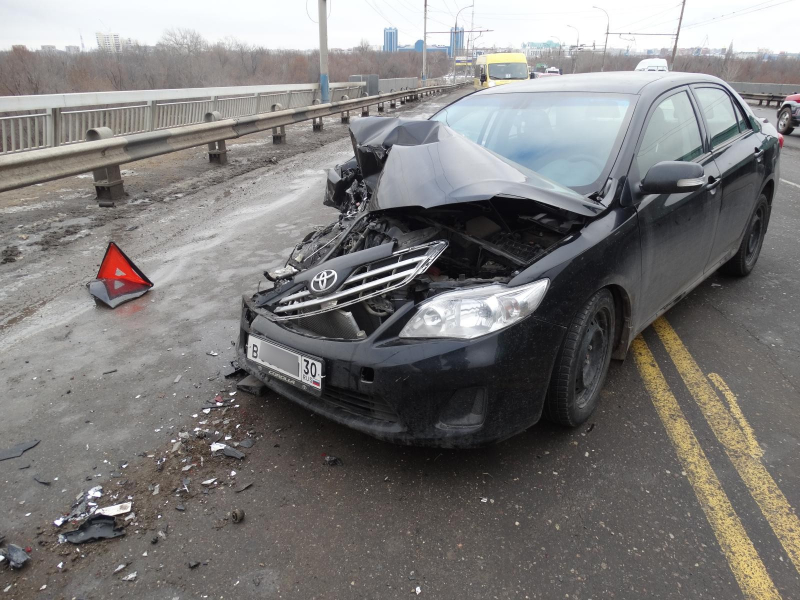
[{"x": 286, "y": 365}]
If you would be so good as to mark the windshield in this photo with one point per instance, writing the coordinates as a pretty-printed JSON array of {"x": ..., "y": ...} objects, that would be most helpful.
[
  {"x": 508, "y": 71},
  {"x": 568, "y": 137}
]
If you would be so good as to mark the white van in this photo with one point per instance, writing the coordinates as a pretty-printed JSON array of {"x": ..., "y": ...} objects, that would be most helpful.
[{"x": 652, "y": 64}]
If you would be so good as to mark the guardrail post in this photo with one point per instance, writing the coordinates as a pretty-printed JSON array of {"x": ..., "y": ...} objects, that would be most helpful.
[
  {"x": 107, "y": 180},
  {"x": 217, "y": 152},
  {"x": 278, "y": 133},
  {"x": 392, "y": 103},
  {"x": 214, "y": 104},
  {"x": 403, "y": 100},
  {"x": 53, "y": 121},
  {"x": 345, "y": 114},
  {"x": 380, "y": 106},
  {"x": 316, "y": 122},
  {"x": 365, "y": 111},
  {"x": 152, "y": 121}
]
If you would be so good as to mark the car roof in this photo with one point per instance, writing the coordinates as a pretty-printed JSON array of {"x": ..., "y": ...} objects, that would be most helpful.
[{"x": 619, "y": 82}]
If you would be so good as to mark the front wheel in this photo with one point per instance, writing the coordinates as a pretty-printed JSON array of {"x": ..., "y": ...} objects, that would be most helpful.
[
  {"x": 582, "y": 362},
  {"x": 785, "y": 121},
  {"x": 746, "y": 256}
]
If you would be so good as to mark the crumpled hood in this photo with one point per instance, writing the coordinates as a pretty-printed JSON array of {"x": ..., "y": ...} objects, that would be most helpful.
[{"x": 426, "y": 164}]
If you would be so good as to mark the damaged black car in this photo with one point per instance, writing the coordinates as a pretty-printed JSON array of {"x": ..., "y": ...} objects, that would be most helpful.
[{"x": 487, "y": 264}]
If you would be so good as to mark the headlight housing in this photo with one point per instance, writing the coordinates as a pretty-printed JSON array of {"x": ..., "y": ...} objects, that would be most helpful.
[{"x": 473, "y": 312}]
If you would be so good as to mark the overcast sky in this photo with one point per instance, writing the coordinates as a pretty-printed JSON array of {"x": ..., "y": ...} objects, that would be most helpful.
[{"x": 749, "y": 24}]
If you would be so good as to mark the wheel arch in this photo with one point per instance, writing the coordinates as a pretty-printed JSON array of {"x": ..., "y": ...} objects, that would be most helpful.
[{"x": 624, "y": 325}]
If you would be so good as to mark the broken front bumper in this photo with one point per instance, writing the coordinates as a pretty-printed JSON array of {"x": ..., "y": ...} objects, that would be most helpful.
[{"x": 446, "y": 393}]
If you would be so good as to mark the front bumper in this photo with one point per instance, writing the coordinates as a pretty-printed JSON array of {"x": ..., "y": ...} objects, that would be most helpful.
[{"x": 445, "y": 393}]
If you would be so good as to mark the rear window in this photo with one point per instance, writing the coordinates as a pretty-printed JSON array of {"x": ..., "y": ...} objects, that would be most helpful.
[{"x": 570, "y": 138}]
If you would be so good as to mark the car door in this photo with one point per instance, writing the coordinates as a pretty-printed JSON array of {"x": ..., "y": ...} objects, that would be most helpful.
[
  {"x": 676, "y": 230},
  {"x": 736, "y": 149}
]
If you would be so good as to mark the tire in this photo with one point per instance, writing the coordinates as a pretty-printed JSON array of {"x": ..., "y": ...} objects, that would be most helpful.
[
  {"x": 582, "y": 362},
  {"x": 785, "y": 121},
  {"x": 742, "y": 263}
]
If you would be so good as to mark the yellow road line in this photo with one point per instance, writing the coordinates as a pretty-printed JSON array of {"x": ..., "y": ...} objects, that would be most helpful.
[
  {"x": 733, "y": 405},
  {"x": 744, "y": 561},
  {"x": 762, "y": 486}
]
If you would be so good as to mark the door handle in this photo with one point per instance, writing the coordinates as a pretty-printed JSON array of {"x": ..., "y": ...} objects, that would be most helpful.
[
  {"x": 713, "y": 183},
  {"x": 759, "y": 154}
]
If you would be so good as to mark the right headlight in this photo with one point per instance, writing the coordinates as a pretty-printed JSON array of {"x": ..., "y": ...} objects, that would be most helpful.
[{"x": 474, "y": 312}]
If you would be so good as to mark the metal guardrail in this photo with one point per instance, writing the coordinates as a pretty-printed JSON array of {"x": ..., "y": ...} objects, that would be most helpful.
[
  {"x": 765, "y": 92},
  {"x": 27, "y": 168},
  {"x": 50, "y": 120}
]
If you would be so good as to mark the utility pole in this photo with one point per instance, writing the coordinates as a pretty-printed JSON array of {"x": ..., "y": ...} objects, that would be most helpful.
[
  {"x": 324, "y": 89},
  {"x": 675, "y": 47},
  {"x": 577, "y": 47},
  {"x": 425, "y": 43}
]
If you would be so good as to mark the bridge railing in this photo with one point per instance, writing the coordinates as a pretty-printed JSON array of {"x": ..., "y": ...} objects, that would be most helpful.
[
  {"x": 50, "y": 120},
  {"x": 765, "y": 92}
]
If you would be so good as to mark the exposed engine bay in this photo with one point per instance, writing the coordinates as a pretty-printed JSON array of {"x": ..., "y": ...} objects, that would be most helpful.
[{"x": 396, "y": 243}]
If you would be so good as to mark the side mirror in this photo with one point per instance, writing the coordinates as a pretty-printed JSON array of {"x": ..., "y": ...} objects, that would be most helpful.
[
  {"x": 483, "y": 78},
  {"x": 532, "y": 75},
  {"x": 673, "y": 177}
]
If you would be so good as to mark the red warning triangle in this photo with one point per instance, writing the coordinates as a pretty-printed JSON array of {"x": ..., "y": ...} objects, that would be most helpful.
[{"x": 117, "y": 266}]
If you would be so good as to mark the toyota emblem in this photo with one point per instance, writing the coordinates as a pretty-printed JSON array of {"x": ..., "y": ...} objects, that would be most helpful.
[{"x": 323, "y": 281}]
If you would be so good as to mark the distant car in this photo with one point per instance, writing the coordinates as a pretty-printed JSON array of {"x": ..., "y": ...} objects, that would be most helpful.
[
  {"x": 789, "y": 114},
  {"x": 487, "y": 264},
  {"x": 652, "y": 64}
]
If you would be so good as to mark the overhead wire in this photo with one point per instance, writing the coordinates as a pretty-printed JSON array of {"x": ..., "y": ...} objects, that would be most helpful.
[{"x": 737, "y": 13}]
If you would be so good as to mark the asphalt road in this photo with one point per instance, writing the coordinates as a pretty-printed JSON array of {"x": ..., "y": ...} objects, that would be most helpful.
[{"x": 684, "y": 484}]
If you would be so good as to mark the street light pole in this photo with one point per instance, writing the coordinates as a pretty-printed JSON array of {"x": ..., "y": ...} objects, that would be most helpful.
[
  {"x": 324, "y": 89},
  {"x": 577, "y": 46},
  {"x": 425, "y": 43},
  {"x": 605, "y": 47},
  {"x": 455, "y": 40},
  {"x": 677, "y": 34}
]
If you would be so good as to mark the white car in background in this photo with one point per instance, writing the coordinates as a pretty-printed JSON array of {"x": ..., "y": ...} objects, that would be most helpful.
[{"x": 652, "y": 64}]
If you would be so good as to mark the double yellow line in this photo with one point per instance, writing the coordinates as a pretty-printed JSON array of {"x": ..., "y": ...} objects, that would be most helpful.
[{"x": 738, "y": 439}]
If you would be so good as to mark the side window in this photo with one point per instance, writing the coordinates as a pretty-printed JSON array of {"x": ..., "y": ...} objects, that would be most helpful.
[
  {"x": 744, "y": 122},
  {"x": 718, "y": 111},
  {"x": 672, "y": 133}
]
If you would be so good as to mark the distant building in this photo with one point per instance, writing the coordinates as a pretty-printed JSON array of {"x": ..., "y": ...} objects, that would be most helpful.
[
  {"x": 536, "y": 49},
  {"x": 456, "y": 41},
  {"x": 111, "y": 42},
  {"x": 49, "y": 49},
  {"x": 417, "y": 47},
  {"x": 72, "y": 49},
  {"x": 390, "y": 39},
  {"x": 19, "y": 48}
]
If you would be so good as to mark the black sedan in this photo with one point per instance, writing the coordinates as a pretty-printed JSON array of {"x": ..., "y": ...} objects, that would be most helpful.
[{"x": 487, "y": 264}]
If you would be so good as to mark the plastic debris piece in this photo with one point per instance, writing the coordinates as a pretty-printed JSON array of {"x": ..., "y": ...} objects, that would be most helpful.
[
  {"x": 226, "y": 450},
  {"x": 180, "y": 508},
  {"x": 120, "y": 567},
  {"x": 130, "y": 576},
  {"x": 212, "y": 353},
  {"x": 237, "y": 515},
  {"x": 247, "y": 443},
  {"x": 109, "y": 372},
  {"x": 234, "y": 370},
  {"x": 177, "y": 379},
  {"x": 118, "y": 279},
  {"x": 252, "y": 385},
  {"x": 96, "y": 527},
  {"x": 244, "y": 487},
  {"x": 209, "y": 481},
  {"x": 117, "y": 509},
  {"x": 156, "y": 489},
  {"x": 16, "y": 451},
  {"x": 17, "y": 557},
  {"x": 332, "y": 461},
  {"x": 38, "y": 479},
  {"x": 194, "y": 564},
  {"x": 418, "y": 590}
]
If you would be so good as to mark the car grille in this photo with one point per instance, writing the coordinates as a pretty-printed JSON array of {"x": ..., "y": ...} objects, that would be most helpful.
[
  {"x": 371, "y": 279},
  {"x": 359, "y": 404}
]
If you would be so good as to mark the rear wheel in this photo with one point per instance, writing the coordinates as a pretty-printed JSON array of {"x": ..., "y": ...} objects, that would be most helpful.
[
  {"x": 746, "y": 256},
  {"x": 582, "y": 362},
  {"x": 785, "y": 121}
]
